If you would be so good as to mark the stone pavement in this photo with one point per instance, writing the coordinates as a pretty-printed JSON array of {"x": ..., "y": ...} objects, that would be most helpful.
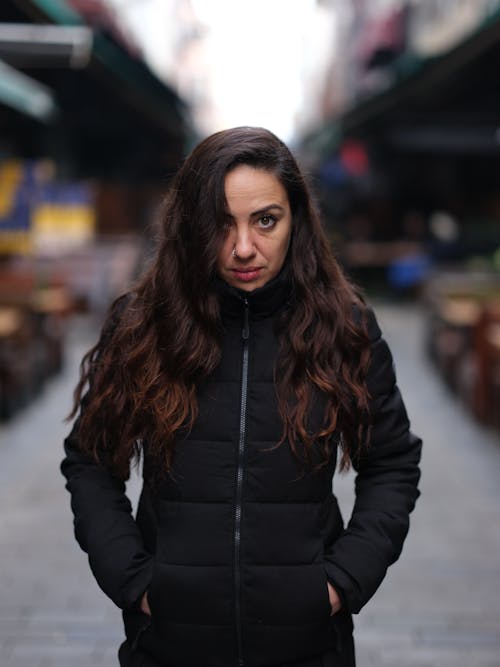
[
  {"x": 439, "y": 606},
  {"x": 52, "y": 614}
]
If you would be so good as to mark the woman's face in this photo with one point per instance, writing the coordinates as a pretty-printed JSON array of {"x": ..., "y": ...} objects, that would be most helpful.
[{"x": 259, "y": 228}]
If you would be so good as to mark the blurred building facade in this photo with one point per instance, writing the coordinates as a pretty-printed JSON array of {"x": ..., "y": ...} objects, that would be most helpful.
[
  {"x": 89, "y": 138},
  {"x": 367, "y": 36},
  {"x": 406, "y": 154},
  {"x": 175, "y": 43},
  {"x": 409, "y": 126}
]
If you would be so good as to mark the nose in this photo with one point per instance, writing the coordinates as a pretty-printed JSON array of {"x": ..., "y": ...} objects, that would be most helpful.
[{"x": 244, "y": 245}]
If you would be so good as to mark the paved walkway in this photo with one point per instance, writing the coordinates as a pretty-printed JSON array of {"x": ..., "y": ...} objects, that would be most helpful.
[
  {"x": 439, "y": 607},
  {"x": 440, "y": 604}
]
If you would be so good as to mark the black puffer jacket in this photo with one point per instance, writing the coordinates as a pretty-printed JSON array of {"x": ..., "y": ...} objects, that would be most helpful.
[{"x": 236, "y": 546}]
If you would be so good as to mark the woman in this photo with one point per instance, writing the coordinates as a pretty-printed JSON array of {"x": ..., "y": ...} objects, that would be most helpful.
[{"x": 238, "y": 367}]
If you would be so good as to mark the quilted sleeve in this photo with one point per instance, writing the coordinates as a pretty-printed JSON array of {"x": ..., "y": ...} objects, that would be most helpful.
[
  {"x": 386, "y": 487},
  {"x": 104, "y": 526}
]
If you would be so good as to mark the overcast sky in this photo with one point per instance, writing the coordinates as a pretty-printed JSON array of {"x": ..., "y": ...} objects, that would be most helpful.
[{"x": 256, "y": 51}]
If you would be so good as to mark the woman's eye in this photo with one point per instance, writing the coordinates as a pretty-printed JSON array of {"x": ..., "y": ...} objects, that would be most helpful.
[{"x": 267, "y": 221}]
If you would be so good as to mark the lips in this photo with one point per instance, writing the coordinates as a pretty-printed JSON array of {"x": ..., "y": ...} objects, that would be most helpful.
[{"x": 247, "y": 274}]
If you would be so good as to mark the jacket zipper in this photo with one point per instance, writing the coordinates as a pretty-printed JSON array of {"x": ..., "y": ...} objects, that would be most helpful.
[{"x": 239, "y": 480}]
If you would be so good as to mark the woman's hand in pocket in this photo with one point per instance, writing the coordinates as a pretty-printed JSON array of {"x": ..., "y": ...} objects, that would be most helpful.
[
  {"x": 145, "y": 605},
  {"x": 335, "y": 601}
]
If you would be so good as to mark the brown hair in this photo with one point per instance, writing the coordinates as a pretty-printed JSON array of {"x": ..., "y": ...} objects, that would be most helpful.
[{"x": 162, "y": 339}]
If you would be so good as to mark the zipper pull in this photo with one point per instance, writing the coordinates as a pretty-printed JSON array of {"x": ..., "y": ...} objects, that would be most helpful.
[{"x": 246, "y": 325}]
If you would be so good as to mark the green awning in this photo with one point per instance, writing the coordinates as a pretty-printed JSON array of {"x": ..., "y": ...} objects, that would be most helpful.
[
  {"x": 58, "y": 11},
  {"x": 412, "y": 75},
  {"x": 417, "y": 85},
  {"x": 133, "y": 75},
  {"x": 24, "y": 94}
]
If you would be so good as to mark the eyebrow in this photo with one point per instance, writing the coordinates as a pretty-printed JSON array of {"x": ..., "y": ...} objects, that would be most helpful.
[
  {"x": 262, "y": 211},
  {"x": 266, "y": 209}
]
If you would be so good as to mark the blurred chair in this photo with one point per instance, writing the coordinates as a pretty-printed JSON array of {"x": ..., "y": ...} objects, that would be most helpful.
[
  {"x": 486, "y": 398},
  {"x": 31, "y": 336}
]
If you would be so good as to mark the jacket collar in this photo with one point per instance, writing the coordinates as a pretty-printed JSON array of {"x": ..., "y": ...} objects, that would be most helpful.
[{"x": 263, "y": 302}]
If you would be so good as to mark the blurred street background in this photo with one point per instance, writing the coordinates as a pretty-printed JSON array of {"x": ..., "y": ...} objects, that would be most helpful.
[{"x": 393, "y": 109}]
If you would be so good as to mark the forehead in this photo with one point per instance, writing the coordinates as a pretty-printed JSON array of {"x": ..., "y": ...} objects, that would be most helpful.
[{"x": 246, "y": 186}]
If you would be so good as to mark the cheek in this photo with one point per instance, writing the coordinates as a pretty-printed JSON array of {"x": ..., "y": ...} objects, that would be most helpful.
[
  {"x": 277, "y": 253},
  {"x": 285, "y": 245}
]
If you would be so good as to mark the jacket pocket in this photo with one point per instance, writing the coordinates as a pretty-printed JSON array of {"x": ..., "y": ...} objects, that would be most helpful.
[
  {"x": 286, "y": 594},
  {"x": 343, "y": 627},
  {"x": 192, "y": 580},
  {"x": 327, "y": 594},
  {"x": 141, "y": 631},
  {"x": 136, "y": 624},
  {"x": 191, "y": 594}
]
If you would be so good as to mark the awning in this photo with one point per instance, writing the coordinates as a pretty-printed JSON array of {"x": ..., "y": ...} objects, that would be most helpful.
[
  {"x": 448, "y": 96},
  {"x": 117, "y": 119},
  {"x": 26, "y": 95},
  {"x": 130, "y": 76},
  {"x": 446, "y": 103},
  {"x": 48, "y": 45}
]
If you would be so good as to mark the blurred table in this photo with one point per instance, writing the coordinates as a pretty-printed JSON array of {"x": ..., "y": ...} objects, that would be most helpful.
[
  {"x": 10, "y": 321},
  {"x": 52, "y": 301}
]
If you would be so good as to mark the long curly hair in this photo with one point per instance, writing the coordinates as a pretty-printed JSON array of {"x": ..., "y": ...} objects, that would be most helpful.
[{"x": 138, "y": 383}]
